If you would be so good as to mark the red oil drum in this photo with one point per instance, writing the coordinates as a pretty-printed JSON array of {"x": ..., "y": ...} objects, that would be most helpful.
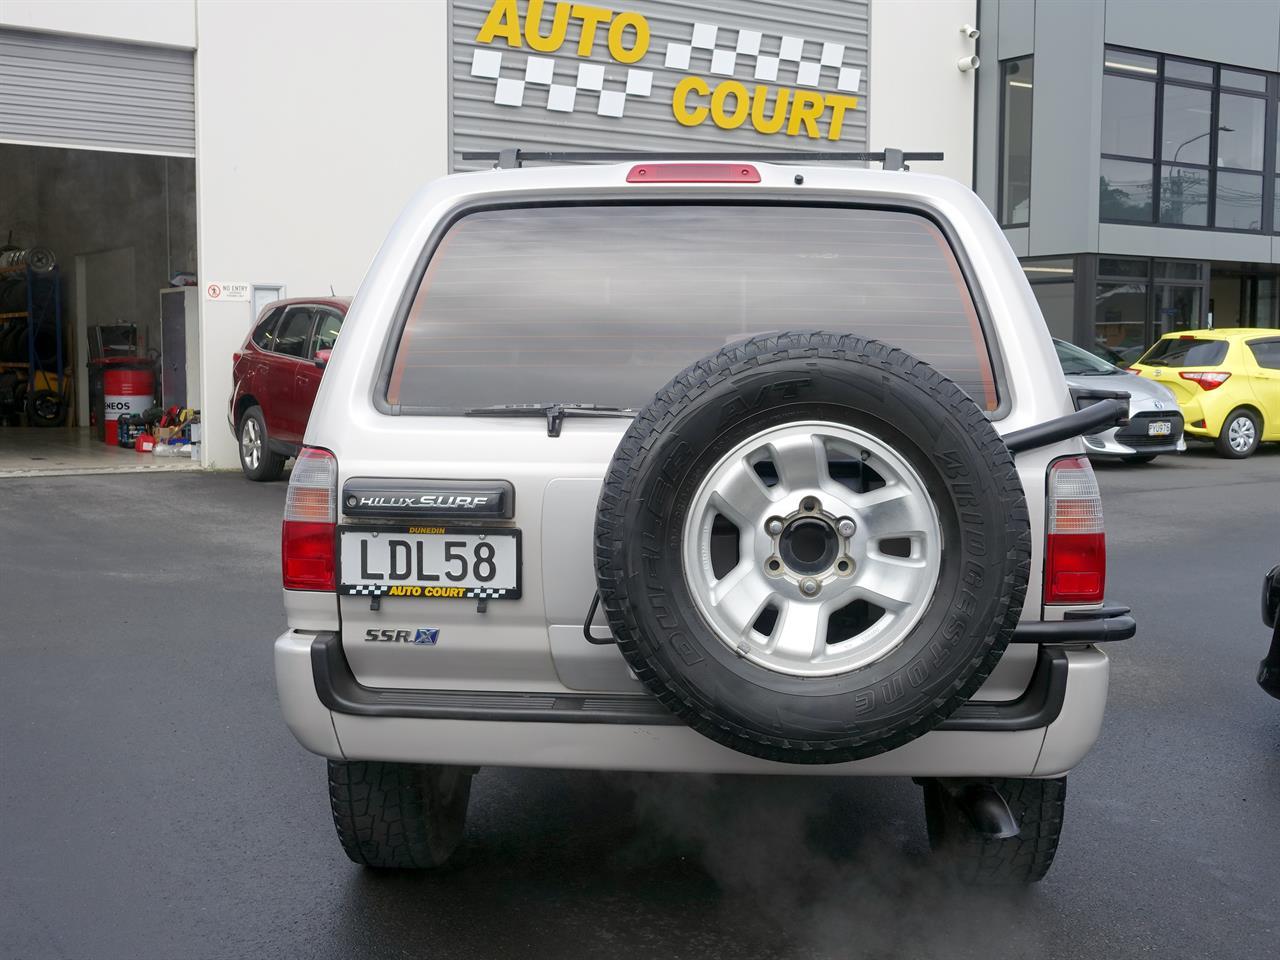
[{"x": 128, "y": 386}]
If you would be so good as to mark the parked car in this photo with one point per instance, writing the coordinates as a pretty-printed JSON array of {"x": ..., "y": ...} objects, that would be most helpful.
[
  {"x": 1269, "y": 669},
  {"x": 275, "y": 378},
  {"x": 1155, "y": 422},
  {"x": 1227, "y": 383},
  {"x": 697, "y": 467}
]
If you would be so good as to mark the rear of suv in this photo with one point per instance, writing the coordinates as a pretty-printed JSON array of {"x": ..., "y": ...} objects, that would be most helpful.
[
  {"x": 275, "y": 376},
  {"x": 697, "y": 467}
]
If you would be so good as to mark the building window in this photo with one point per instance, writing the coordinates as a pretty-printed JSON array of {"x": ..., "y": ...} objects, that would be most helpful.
[
  {"x": 1128, "y": 137},
  {"x": 1017, "y": 79},
  {"x": 1120, "y": 305},
  {"x": 1275, "y": 124},
  {"x": 1184, "y": 143},
  {"x": 1136, "y": 301},
  {"x": 1185, "y": 134},
  {"x": 1126, "y": 191},
  {"x": 1053, "y": 283}
]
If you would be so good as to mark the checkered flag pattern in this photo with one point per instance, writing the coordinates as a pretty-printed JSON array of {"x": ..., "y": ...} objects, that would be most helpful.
[
  {"x": 727, "y": 46},
  {"x": 366, "y": 590},
  {"x": 488, "y": 593},
  {"x": 562, "y": 97},
  {"x": 721, "y": 47}
]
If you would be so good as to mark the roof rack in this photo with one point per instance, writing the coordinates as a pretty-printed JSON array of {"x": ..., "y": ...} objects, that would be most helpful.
[{"x": 512, "y": 157}]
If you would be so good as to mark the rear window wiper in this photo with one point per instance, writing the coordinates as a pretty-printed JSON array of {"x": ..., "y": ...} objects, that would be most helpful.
[{"x": 554, "y": 412}]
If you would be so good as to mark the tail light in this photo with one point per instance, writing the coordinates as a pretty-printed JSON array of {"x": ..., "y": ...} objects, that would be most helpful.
[
  {"x": 693, "y": 173},
  {"x": 1207, "y": 381},
  {"x": 309, "y": 532},
  {"x": 1075, "y": 564}
]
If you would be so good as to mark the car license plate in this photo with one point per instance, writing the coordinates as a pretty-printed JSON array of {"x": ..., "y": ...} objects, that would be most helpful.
[
  {"x": 430, "y": 562},
  {"x": 1159, "y": 428}
]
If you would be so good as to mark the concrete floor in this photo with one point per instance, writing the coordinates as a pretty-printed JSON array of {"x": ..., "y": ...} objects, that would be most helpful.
[
  {"x": 154, "y": 805},
  {"x": 62, "y": 451}
]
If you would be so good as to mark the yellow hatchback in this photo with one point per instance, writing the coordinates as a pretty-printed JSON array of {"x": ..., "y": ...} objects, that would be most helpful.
[{"x": 1227, "y": 383}]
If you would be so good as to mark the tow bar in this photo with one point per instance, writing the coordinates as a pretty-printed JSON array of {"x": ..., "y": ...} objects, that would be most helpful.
[{"x": 1095, "y": 410}]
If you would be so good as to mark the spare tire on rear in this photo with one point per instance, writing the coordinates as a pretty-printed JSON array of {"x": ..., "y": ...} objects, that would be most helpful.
[{"x": 812, "y": 547}]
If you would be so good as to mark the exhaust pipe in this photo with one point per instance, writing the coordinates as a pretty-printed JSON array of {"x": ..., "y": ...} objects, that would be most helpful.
[{"x": 983, "y": 806}]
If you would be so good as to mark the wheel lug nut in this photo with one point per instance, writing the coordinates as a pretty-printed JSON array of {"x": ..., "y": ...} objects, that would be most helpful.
[
  {"x": 846, "y": 527},
  {"x": 774, "y": 527},
  {"x": 808, "y": 586}
]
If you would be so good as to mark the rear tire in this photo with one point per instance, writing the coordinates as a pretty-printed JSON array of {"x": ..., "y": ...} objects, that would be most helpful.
[
  {"x": 257, "y": 460},
  {"x": 972, "y": 857},
  {"x": 1239, "y": 436},
  {"x": 398, "y": 816}
]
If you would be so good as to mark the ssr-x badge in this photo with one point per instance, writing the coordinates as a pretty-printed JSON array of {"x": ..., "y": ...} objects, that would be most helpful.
[{"x": 422, "y": 636}]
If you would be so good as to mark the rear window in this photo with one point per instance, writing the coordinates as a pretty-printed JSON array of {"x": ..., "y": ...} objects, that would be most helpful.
[
  {"x": 604, "y": 304},
  {"x": 294, "y": 331},
  {"x": 264, "y": 333},
  {"x": 1186, "y": 352},
  {"x": 1266, "y": 353},
  {"x": 1081, "y": 363}
]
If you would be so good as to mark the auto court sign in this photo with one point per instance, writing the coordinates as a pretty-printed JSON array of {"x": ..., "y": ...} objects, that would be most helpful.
[{"x": 726, "y": 74}]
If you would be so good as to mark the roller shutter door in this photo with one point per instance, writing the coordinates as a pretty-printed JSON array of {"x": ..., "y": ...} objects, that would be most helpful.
[
  {"x": 99, "y": 94},
  {"x": 502, "y": 95}
]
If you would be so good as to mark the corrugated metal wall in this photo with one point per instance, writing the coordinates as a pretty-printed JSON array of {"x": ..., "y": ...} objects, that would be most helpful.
[
  {"x": 499, "y": 99},
  {"x": 74, "y": 92}
]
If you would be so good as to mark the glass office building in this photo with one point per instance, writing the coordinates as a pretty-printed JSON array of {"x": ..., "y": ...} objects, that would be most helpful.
[{"x": 1130, "y": 152}]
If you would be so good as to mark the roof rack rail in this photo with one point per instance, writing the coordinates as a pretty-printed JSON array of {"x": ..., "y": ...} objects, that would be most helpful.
[{"x": 512, "y": 157}]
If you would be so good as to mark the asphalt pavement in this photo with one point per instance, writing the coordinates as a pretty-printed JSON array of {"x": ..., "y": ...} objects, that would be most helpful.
[{"x": 153, "y": 805}]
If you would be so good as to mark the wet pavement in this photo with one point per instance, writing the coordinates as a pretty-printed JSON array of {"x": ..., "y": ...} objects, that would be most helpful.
[{"x": 154, "y": 805}]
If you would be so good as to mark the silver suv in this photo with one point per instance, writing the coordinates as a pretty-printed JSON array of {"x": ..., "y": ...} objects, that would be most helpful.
[{"x": 693, "y": 466}]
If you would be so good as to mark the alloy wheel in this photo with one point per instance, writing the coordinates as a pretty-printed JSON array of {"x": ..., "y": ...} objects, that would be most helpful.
[
  {"x": 251, "y": 443},
  {"x": 812, "y": 549}
]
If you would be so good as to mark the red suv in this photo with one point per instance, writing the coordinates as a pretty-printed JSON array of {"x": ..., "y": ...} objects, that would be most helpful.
[{"x": 276, "y": 374}]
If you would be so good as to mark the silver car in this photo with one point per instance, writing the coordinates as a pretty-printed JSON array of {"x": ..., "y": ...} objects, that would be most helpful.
[
  {"x": 841, "y": 540},
  {"x": 1155, "y": 422}
]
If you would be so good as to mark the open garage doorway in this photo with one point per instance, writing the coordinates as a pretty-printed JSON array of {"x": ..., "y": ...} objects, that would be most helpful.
[
  {"x": 100, "y": 247},
  {"x": 97, "y": 226}
]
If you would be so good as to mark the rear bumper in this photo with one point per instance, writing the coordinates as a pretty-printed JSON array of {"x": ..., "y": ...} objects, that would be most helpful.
[
  {"x": 1202, "y": 433},
  {"x": 1044, "y": 732},
  {"x": 1208, "y": 410}
]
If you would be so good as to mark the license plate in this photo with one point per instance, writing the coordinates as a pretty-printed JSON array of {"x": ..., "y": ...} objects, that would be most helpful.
[
  {"x": 430, "y": 562},
  {"x": 1159, "y": 428}
]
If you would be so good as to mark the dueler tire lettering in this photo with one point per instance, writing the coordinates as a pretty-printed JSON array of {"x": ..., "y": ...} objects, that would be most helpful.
[{"x": 796, "y": 377}]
